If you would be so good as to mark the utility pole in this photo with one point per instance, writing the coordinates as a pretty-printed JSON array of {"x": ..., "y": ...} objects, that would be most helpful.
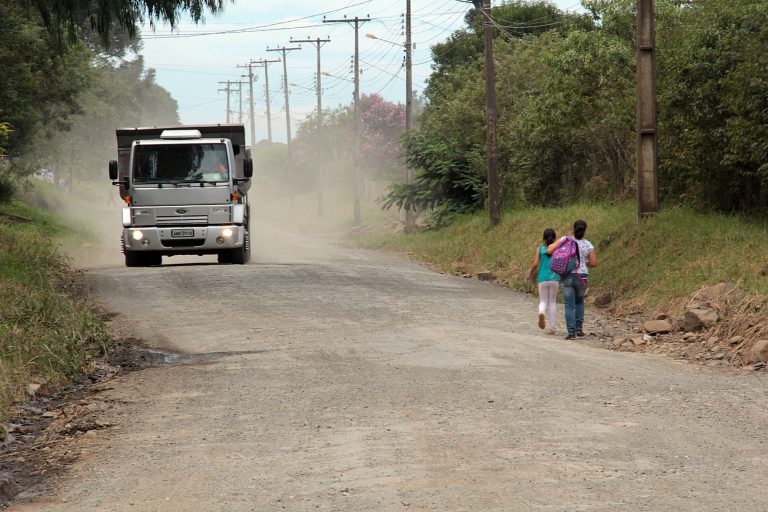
[
  {"x": 647, "y": 125},
  {"x": 265, "y": 64},
  {"x": 490, "y": 118},
  {"x": 240, "y": 98},
  {"x": 228, "y": 90},
  {"x": 250, "y": 91},
  {"x": 285, "y": 49},
  {"x": 318, "y": 44},
  {"x": 355, "y": 23},
  {"x": 409, "y": 213}
]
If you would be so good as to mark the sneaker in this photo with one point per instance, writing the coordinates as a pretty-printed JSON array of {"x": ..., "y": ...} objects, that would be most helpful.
[
  {"x": 551, "y": 331},
  {"x": 541, "y": 320},
  {"x": 580, "y": 333},
  {"x": 570, "y": 337}
]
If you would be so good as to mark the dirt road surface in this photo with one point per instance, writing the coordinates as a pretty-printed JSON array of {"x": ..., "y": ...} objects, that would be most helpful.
[{"x": 318, "y": 378}]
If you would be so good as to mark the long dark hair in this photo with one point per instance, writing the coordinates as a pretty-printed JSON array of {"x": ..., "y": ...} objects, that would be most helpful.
[
  {"x": 579, "y": 228},
  {"x": 549, "y": 236}
]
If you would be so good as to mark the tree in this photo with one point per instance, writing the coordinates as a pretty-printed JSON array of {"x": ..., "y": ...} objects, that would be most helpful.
[
  {"x": 67, "y": 15},
  {"x": 382, "y": 124},
  {"x": 714, "y": 106},
  {"x": 40, "y": 82}
]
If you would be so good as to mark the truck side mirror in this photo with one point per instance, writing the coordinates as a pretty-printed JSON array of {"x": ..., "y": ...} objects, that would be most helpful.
[
  {"x": 113, "y": 170},
  {"x": 247, "y": 167},
  {"x": 236, "y": 149}
]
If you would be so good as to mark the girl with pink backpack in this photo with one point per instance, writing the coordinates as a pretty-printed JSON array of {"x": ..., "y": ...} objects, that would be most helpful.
[
  {"x": 548, "y": 283},
  {"x": 574, "y": 281}
]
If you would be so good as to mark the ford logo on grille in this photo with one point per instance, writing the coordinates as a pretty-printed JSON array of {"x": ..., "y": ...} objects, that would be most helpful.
[{"x": 181, "y": 211}]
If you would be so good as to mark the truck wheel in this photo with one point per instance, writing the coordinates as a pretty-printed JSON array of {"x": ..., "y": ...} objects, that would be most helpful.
[
  {"x": 153, "y": 258},
  {"x": 142, "y": 259},
  {"x": 225, "y": 257},
  {"x": 241, "y": 255},
  {"x": 133, "y": 259}
]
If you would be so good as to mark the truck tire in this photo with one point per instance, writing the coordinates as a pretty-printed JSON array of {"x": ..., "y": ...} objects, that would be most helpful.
[
  {"x": 132, "y": 259},
  {"x": 142, "y": 259},
  {"x": 241, "y": 255},
  {"x": 225, "y": 257},
  {"x": 153, "y": 258}
]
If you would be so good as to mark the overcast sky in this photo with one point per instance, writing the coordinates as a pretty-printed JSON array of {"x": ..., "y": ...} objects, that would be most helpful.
[{"x": 192, "y": 60}]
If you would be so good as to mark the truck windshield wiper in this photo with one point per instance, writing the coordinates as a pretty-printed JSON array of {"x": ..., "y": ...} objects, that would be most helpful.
[{"x": 159, "y": 183}]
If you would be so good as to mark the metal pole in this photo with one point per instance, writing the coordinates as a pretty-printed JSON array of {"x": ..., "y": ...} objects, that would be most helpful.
[
  {"x": 266, "y": 93},
  {"x": 409, "y": 213},
  {"x": 252, "y": 116},
  {"x": 647, "y": 125},
  {"x": 265, "y": 63},
  {"x": 318, "y": 42},
  {"x": 356, "y": 177},
  {"x": 240, "y": 98},
  {"x": 227, "y": 89},
  {"x": 319, "y": 128},
  {"x": 250, "y": 102},
  {"x": 355, "y": 22},
  {"x": 284, "y": 51},
  {"x": 490, "y": 118}
]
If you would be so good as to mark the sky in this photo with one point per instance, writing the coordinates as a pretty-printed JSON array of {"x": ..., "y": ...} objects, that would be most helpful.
[{"x": 192, "y": 61}]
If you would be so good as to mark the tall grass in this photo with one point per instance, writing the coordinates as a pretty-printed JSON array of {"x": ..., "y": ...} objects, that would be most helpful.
[
  {"x": 49, "y": 333},
  {"x": 656, "y": 262}
]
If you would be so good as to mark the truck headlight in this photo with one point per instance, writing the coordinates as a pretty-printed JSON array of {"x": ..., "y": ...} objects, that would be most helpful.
[
  {"x": 137, "y": 235},
  {"x": 226, "y": 232}
]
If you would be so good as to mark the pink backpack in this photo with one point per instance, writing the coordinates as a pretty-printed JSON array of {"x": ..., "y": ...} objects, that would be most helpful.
[{"x": 566, "y": 257}]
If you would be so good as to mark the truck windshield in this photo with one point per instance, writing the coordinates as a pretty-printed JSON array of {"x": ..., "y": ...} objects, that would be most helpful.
[{"x": 180, "y": 163}]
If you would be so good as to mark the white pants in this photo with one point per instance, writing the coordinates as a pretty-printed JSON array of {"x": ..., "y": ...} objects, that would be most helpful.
[{"x": 548, "y": 302}]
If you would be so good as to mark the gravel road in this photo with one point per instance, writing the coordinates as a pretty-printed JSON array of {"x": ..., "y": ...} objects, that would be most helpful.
[{"x": 320, "y": 378}]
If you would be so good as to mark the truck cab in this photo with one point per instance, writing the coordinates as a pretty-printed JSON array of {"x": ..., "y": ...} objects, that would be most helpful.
[{"x": 185, "y": 190}]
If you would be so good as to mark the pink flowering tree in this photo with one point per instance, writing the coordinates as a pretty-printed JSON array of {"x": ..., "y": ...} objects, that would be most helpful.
[{"x": 381, "y": 125}]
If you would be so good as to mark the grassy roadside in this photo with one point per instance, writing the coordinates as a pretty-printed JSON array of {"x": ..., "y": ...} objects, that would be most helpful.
[
  {"x": 49, "y": 333},
  {"x": 654, "y": 264}
]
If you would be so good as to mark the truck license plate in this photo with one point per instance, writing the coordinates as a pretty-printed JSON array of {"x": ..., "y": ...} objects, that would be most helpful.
[{"x": 182, "y": 233}]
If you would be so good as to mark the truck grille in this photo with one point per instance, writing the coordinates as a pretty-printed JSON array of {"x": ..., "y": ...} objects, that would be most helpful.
[{"x": 182, "y": 220}]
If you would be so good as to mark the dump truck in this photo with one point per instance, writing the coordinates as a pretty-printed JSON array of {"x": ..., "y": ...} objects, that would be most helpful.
[{"x": 185, "y": 192}]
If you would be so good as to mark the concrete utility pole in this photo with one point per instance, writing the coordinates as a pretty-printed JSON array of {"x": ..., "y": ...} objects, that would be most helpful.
[
  {"x": 250, "y": 92},
  {"x": 355, "y": 23},
  {"x": 647, "y": 135},
  {"x": 284, "y": 50},
  {"x": 240, "y": 98},
  {"x": 409, "y": 213},
  {"x": 265, "y": 64},
  {"x": 318, "y": 44},
  {"x": 490, "y": 118},
  {"x": 228, "y": 90}
]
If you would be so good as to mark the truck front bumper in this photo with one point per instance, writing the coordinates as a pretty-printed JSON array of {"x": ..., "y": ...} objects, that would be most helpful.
[{"x": 183, "y": 239}]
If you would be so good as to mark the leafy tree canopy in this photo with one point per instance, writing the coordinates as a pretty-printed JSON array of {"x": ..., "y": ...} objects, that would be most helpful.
[{"x": 104, "y": 15}]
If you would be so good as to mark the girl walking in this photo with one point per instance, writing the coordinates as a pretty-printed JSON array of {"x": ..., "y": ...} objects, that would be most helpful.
[
  {"x": 548, "y": 283},
  {"x": 575, "y": 284}
]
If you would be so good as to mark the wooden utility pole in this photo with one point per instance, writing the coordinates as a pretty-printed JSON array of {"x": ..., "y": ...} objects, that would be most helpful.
[
  {"x": 647, "y": 125},
  {"x": 228, "y": 90},
  {"x": 284, "y": 50},
  {"x": 490, "y": 118},
  {"x": 318, "y": 44},
  {"x": 250, "y": 92},
  {"x": 265, "y": 64},
  {"x": 355, "y": 23},
  {"x": 409, "y": 213}
]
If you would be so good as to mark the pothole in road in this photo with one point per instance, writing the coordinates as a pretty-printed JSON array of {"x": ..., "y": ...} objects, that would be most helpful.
[{"x": 129, "y": 355}]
